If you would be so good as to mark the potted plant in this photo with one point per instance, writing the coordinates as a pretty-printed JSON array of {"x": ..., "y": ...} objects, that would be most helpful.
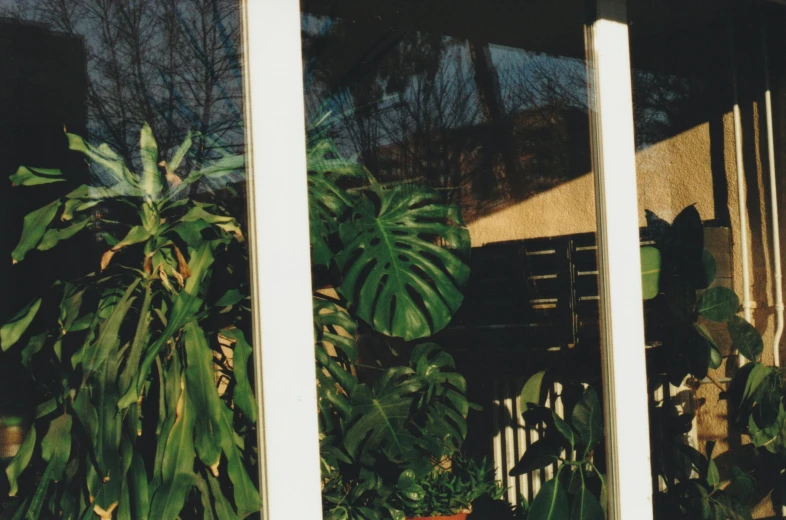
[
  {"x": 130, "y": 421},
  {"x": 448, "y": 491},
  {"x": 389, "y": 261}
]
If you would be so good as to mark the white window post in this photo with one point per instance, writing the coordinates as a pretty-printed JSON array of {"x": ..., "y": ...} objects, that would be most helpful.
[
  {"x": 624, "y": 365},
  {"x": 280, "y": 261}
]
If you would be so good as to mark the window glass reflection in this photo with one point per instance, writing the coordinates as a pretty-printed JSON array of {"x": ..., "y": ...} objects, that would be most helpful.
[{"x": 125, "y": 381}]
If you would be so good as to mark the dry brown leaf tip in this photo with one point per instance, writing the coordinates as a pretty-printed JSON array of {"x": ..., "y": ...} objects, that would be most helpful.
[{"x": 105, "y": 514}]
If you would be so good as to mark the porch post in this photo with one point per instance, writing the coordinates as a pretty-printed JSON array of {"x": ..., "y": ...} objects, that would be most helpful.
[
  {"x": 622, "y": 324},
  {"x": 280, "y": 260}
]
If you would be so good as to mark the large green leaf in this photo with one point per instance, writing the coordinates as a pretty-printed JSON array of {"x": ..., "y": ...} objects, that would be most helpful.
[
  {"x": 408, "y": 413},
  {"x": 216, "y": 174},
  {"x": 333, "y": 325},
  {"x": 27, "y": 176},
  {"x": 16, "y": 327},
  {"x": 542, "y": 453},
  {"x": 184, "y": 309},
  {"x": 246, "y": 494},
  {"x": 587, "y": 418},
  {"x": 710, "y": 269},
  {"x": 200, "y": 379},
  {"x": 34, "y": 229},
  {"x": 551, "y": 502},
  {"x": 56, "y": 445},
  {"x": 586, "y": 506},
  {"x": 532, "y": 391},
  {"x": 177, "y": 470},
  {"x": 716, "y": 358},
  {"x": 180, "y": 153},
  {"x": 243, "y": 393},
  {"x": 650, "y": 272},
  {"x": 687, "y": 246},
  {"x": 327, "y": 204},
  {"x": 380, "y": 418},
  {"x": 148, "y": 151},
  {"x": 113, "y": 170},
  {"x": 718, "y": 304},
  {"x": 323, "y": 156},
  {"x": 396, "y": 276},
  {"x": 745, "y": 338},
  {"x": 20, "y": 461},
  {"x": 138, "y": 488},
  {"x": 108, "y": 338},
  {"x": 53, "y": 236}
]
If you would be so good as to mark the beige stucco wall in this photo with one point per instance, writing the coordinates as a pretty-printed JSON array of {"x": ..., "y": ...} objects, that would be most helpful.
[{"x": 671, "y": 175}]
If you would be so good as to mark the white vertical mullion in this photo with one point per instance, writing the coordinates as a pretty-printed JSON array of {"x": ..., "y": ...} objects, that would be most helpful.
[
  {"x": 281, "y": 261},
  {"x": 622, "y": 324}
]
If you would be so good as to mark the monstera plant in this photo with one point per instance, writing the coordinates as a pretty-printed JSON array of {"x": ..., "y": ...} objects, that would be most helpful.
[
  {"x": 391, "y": 261},
  {"x": 128, "y": 356}
]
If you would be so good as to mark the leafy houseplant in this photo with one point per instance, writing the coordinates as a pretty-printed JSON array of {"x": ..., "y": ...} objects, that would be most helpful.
[
  {"x": 446, "y": 493},
  {"x": 133, "y": 424},
  {"x": 578, "y": 489},
  {"x": 682, "y": 278},
  {"x": 677, "y": 272},
  {"x": 389, "y": 261}
]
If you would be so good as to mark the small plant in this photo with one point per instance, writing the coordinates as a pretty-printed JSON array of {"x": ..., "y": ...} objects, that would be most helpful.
[{"x": 450, "y": 488}]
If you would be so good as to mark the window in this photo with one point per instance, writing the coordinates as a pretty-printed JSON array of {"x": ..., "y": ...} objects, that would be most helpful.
[{"x": 564, "y": 212}]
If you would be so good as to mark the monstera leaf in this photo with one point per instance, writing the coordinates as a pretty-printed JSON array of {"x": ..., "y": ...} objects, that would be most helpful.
[
  {"x": 334, "y": 333},
  {"x": 402, "y": 262},
  {"x": 409, "y": 411},
  {"x": 327, "y": 203}
]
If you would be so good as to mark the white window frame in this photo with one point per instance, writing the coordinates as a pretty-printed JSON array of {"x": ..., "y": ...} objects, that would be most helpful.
[
  {"x": 281, "y": 261},
  {"x": 281, "y": 270},
  {"x": 626, "y": 417}
]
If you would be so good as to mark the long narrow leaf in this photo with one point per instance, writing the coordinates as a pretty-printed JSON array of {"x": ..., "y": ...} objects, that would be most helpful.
[
  {"x": 34, "y": 229},
  {"x": 20, "y": 462},
  {"x": 243, "y": 394},
  {"x": 14, "y": 329}
]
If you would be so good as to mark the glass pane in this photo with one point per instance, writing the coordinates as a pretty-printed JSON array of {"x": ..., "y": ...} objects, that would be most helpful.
[
  {"x": 125, "y": 381},
  {"x": 453, "y": 222},
  {"x": 706, "y": 229}
]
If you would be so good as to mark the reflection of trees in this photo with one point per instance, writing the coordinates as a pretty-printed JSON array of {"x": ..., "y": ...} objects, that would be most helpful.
[
  {"x": 664, "y": 105},
  {"x": 172, "y": 63},
  {"x": 486, "y": 128}
]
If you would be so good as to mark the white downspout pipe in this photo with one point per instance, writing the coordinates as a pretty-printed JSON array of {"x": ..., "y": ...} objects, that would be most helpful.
[
  {"x": 741, "y": 198},
  {"x": 776, "y": 238}
]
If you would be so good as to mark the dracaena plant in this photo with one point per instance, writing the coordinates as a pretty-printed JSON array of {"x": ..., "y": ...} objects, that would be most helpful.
[
  {"x": 134, "y": 424},
  {"x": 391, "y": 260}
]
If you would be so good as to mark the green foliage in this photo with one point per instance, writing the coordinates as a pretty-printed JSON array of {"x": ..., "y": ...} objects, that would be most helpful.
[
  {"x": 445, "y": 491},
  {"x": 697, "y": 490},
  {"x": 650, "y": 272},
  {"x": 134, "y": 425},
  {"x": 396, "y": 265},
  {"x": 695, "y": 487},
  {"x": 686, "y": 272},
  {"x": 578, "y": 488},
  {"x": 395, "y": 274}
]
